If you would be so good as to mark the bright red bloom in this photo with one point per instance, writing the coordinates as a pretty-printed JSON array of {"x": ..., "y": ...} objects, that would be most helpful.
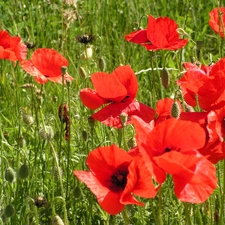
[
  {"x": 161, "y": 33},
  {"x": 171, "y": 147},
  {"x": 114, "y": 175},
  {"x": 11, "y": 48},
  {"x": 118, "y": 90},
  {"x": 46, "y": 64},
  {"x": 207, "y": 83},
  {"x": 217, "y": 23}
]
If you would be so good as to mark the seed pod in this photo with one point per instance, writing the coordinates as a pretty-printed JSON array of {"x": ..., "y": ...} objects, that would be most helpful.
[
  {"x": 77, "y": 192},
  {"x": 10, "y": 174},
  {"x": 56, "y": 220},
  {"x": 175, "y": 110},
  {"x": 165, "y": 78},
  {"x": 9, "y": 211},
  {"x": 46, "y": 133},
  {"x": 23, "y": 172}
]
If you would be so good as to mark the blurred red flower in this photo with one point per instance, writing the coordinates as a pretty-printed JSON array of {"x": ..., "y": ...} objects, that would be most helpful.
[
  {"x": 216, "y": 22},
  {"x": 206, "y": 82},
  {"x": 171, "y": 148},
  {"x": 118, "y": 90},
  {"x": 115, "y": 174},
  {"x": 11, "y": 48},
  {"x": 46, "y": 64},
  {"x": 161, "y": 33}
]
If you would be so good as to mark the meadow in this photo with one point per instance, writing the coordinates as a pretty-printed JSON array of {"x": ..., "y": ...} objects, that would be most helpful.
[{"x": 47, "y": 132}]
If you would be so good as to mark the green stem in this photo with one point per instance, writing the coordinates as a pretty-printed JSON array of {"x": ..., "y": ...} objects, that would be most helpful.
[
  {"x": 187, "y": 214},
  {"x": 125, "y": 216}
]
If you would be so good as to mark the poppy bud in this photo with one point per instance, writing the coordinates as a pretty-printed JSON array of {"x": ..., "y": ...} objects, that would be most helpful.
[
  {"x": 123, "y": 119},
  {"x": 82, "y": 72},
  {"x": 63, "y": 70},
  {"x": 165, "y": 78},
  {"x": 102, "y": 64},
  {"x": 91, "y": 122},
  {"x": 56, "y": 220},
  {"x": 84, "y": 135},
  {"x": 132, "y": 143},
  {"x": 77, "y": 192},
  {"x": 23, "y": 172},
  {"x": 28, "y": 119},
  {"x": 10, "y": 175},
  {"x": 175, "y": 110},
  {"x": 46, "y": 133},
  {"x": 9, "y": 211}
]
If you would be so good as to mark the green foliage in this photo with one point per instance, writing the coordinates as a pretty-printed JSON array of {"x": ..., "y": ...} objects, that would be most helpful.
[{"x": 55, "y": 24}]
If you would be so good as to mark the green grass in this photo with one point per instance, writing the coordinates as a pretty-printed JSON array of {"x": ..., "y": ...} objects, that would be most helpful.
[{"x": 43, "y": 23}]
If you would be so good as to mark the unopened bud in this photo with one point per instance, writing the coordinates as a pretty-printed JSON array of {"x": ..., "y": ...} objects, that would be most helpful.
[
  {"x": 23, "y": 172},
  {"x": 123, "y": 119},
  {"x": 77, "y": 192},
  {"x": 131, "y": 143},
  {"x": 56, "y": 220},
  {"x": 9, "y": 211},
  {"x": 91, "y": 122},
  {"x": 28, "y": 119},
  {"x": 46, "y": 133},
  {"x": 84, "y": 135},
  {"x": 63, "y": 70},
  {"x": 102, "y": 64},
  {"x": 165, "y": 78},
  {"x": 10, "y": 174},
  {"x": 175, "y": 110},
  {"x": 82, "y": 72}
]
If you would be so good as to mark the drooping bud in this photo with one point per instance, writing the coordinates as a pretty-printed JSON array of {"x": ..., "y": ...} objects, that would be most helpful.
[
  {"x": 82, "y": 72},
  {"x": 84, "y": 135},
  {"x": 175, "y": 110},
  {"x": 77, "y": 192},
  {"x": 123, "y": 119},
  {"x": 56, "y": 220},
  {"x": 132, "y": 143},
  {"x": 102, "y": 64},
  {"x": 9, "y": 210},
  {"x": 165, "y": 78},
  {"x": 28, "y": 119},
  {"x": 46, "y": 133},
  {"x": 23, "y": 172},
  {"x": 10, "y": 175},
  {"x": 91, "y": 122}
]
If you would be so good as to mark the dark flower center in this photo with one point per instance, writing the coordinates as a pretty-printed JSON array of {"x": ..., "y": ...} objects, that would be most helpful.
[
  {"x": 167, "y": 150},
  {"x": 119, "y": 179}
]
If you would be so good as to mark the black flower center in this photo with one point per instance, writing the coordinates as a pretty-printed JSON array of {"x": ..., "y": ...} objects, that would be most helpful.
[
  {"x": 119, "y": 180},
  {"x": 167, "y": 150}
]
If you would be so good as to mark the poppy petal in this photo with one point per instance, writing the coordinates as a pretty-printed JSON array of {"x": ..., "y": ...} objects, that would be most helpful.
[
  {"x": 49, "y": 62},
  {"x": 194, "y": 176},
  {"x": 91, "y": 99},
  {"x": 108, "y": 87},
  {"x": 110, "y": 115},
  {"x": 128, "y": 78},
  {"x": 138, "y": 37}
]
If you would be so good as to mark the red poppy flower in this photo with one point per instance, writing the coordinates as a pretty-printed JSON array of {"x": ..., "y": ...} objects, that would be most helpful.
[
  {"x": 207, "y": 83},
  {"x": 118, "y": 90},
  {"x": 170, "y": 148},
  {"x": 114, "y": 175},
  {"x": 46, "y": 64},
  {"x": 216, "y": 22},
  {"x": 11, "y": 48},
  {"x": 161, "y": 33}
]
